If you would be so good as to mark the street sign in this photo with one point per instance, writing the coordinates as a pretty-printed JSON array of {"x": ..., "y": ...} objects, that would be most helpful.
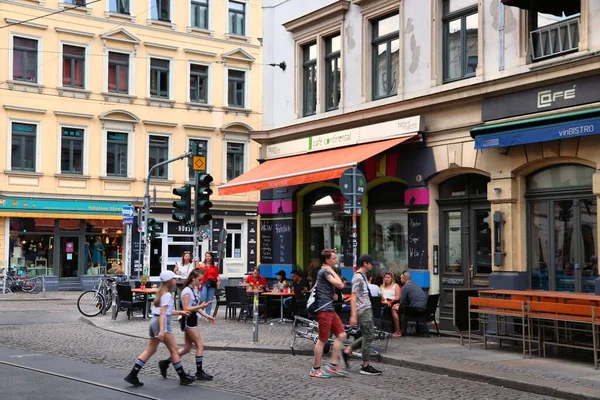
[
  {"x": 128, "y": 212},
  {"x": 346, "y": 183},
  {"x": 348, "y": 207},
  {"x": 199, "y": 163},
  {"x": 127, "y": 221}
]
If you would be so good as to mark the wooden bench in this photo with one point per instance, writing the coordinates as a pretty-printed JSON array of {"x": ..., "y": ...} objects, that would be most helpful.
[
  {"x": 569, "y": 314},
  {"x": 510, "y": 310}
]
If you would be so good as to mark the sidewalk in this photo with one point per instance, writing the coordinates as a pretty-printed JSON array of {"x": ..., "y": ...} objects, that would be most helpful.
[
  {"x": 442, "y": 355},
  {"x": 48, "y": 296}
]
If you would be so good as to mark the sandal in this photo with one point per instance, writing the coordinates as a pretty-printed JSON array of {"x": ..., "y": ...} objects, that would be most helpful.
[{"x": 396, "y": 334}]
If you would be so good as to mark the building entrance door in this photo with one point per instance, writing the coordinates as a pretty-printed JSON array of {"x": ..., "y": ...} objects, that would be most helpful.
[{"x": 69, "y": 256}]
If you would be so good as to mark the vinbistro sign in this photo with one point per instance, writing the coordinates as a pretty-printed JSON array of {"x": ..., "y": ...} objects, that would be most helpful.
[{"x": 348, "y": 137}]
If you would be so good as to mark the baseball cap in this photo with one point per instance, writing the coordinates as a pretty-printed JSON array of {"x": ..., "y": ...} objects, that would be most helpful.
[
  {"x": 166, "y": 276},
  {"x": 365, "y": 258},
  {"x": 281, "y": 272}
]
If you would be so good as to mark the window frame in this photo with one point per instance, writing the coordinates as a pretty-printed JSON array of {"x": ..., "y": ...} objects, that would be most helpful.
[
  {"x": 207, "y": 83},
  {"x": 200, "y": 3},
  {"x": 118, "y": 66},
  {"x": 131, "y": 76},
  {"x": 308, "y": 65},
  {"x": 39, "y": 57},
  {"x": 336, "y": 58},
  {"x": 128, "y": 152},
  {"x": 86, "y": 65},
  {"x": 244, "y": 157},
  {"x": 84, "y": 149},
  {"x": 189, "y": 171},
  {"x": 149, "y": 146},
  {"x": 246, "y": 88},
  {"x": 244, "y": 15},
  {"x": 169, "y": 77},
  {"x": 129, "y": 12},
  {"x": 374, "y": 43},
  {"x": 461, "y": 15},
  {"x": 151, "y": 9},
  {"x": 9, "y": 136}
]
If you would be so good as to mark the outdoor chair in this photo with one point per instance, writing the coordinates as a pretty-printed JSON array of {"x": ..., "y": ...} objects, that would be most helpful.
[
  {"x": 299, "y": 305},
  {"x": 127, "y": 301},
  {"x": 220, "y": 300},
  {"x": 246, "y": 306},
  {"x": 232, "y": 303},
  {"x": 428, "y": 315}
]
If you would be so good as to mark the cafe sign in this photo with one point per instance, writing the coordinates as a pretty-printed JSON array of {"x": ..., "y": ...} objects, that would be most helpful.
[{"x": 348, "y": 137}]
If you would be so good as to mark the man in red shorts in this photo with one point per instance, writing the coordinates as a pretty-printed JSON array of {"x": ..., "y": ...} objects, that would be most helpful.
[{"x": 329, "y": 321}]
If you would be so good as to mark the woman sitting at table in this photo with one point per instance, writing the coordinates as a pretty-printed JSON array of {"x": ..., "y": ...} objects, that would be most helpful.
[{"x": 390, "y": 297}]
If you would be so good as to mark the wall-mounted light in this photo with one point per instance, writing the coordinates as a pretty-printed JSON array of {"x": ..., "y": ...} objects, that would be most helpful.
[
  {"x": 281, "y": 65},
  {"x": 497, "y": 190}
]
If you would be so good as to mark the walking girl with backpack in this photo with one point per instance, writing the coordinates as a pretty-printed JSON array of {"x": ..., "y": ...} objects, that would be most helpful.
[
  {"x": 160, "y": 331},
  {"x": 190, "y": 302}
]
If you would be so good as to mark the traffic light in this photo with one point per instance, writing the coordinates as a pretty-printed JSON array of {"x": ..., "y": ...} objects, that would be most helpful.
[
  {"x": 183, "y": 207},
  {"x": 196, "y": 148},
  {"x": 152, "y": 228},
  {"x": 203, "y": 203}
]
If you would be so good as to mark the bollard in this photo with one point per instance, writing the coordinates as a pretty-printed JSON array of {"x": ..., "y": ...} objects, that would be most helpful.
[
  {"x": 255, "y": 318},
  {"x": 43, "y": 285},
  {"x": 114, "y": 301}
]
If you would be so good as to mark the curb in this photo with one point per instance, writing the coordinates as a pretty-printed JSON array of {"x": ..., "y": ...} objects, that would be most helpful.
[{"x": 468, "y": 372}]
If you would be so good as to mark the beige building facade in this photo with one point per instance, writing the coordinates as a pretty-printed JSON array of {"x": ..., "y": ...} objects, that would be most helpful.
[{"x": 94, "y": 96}]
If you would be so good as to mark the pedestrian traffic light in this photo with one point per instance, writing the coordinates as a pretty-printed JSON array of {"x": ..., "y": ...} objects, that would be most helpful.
[
  {"x": 183, "y": 207},
  {"x": 203, "y": 203},
  {"x": 151, "y": 227},
  {"x": 196, "y": 148}
]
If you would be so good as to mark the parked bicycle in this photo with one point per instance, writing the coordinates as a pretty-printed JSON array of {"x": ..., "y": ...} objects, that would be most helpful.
[
  {"x": 13, "y": 282},
  {"x": 98, "y": 300}
]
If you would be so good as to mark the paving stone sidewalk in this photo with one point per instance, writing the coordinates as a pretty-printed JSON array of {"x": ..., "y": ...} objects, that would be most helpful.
[{"x": 444, "y": 355}]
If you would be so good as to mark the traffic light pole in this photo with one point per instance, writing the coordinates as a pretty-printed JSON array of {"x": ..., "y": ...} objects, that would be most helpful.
[
  {"x": 195, "y": 255},
  {"x": 146, "y": 256}
]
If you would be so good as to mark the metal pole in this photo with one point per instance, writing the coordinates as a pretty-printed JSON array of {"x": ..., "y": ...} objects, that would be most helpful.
[
  {"x": 140, "y": 236},
  {"x": 255, "y": 318},
  {"x": 195, "y": 254},
  {"x": 354, "y": 205},
  {"x": 44, "y": 285}
]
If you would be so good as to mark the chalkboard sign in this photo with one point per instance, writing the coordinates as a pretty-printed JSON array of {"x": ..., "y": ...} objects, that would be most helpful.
[
  {"x": 417, "y": 240},
  {"x": 347, "y": 256},
  {"x": 276, "y": 241},
  {"x": 251, "y": 244}
]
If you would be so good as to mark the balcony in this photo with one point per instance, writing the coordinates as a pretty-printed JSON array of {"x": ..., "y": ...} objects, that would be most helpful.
[{"x": 554, "y": 40}]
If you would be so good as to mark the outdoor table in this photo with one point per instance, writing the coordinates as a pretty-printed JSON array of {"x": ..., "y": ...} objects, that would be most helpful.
[
  {"x": 280, "y": 295},
  {"x": 145, "y": 292}
]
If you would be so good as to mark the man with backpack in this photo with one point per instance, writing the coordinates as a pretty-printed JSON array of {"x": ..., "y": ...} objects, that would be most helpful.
[
  {"x": 361, "y": 312},
  {"x": 329, "y": 322}
]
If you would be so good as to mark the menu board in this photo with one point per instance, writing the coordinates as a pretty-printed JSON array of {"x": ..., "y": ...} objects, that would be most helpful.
[
  {"x": 276, "y": 241},
  {"x": 347, "y": 255},
  {"x": 417, "y": 240}
]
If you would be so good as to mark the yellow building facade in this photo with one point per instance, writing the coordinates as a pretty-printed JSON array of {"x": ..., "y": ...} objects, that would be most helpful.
[{"x": 92, "y": 97}]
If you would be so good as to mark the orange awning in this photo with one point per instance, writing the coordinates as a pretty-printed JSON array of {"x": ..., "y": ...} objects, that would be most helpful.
[{"x": 306, "y": 168}]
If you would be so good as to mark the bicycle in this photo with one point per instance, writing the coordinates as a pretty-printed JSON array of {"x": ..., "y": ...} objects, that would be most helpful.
[
  {"x": 13, "y": 282},
  {"x": 98, "y": 300}
]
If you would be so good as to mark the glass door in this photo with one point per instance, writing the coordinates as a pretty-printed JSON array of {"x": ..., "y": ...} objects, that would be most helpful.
[{"x": 69, "y": 257}]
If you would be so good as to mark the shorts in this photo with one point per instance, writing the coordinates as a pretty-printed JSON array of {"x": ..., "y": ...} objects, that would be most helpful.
[
  {"x": 189, "y": 322},
  {"x": 154, "y": 329},
  {"x": 329, "y": 322}
]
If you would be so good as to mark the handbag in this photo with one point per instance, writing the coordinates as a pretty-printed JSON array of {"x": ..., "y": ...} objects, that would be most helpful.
[
  {"x": 311, "y": 303},
  {"x": 212, "y": 283}
]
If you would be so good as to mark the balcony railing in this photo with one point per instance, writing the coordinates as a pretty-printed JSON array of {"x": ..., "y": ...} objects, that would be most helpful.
[{"x": 553, "y": 40}]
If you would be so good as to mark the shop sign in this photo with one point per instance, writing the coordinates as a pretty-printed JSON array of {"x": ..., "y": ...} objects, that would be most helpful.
[
  {"x": 41, "y": 206},
  {"x": 547, "y": 98},
  {"x": 69, "y": 247},
  {"x": 348, "y": 137}
]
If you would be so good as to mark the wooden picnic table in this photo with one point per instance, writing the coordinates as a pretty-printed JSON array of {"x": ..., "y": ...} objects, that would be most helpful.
[
  {"x": 145, "y": 292},
  {"x": 545, "y": 296}
]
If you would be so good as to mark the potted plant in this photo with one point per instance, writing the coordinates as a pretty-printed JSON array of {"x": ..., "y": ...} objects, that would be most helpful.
[{"x": 145, "y": 281}]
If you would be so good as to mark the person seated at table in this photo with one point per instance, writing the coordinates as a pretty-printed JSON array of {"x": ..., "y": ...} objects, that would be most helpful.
[
  {"x": 345, "y": 298},
  {"x": 300, "y": 286},
  {"x": 413, "y": 300},
  {"x": 373, "y": 286},
  {"x": 281, "y": 280},
  {"x": 256, "y": 280},
  {"x": 390, "y": 299}
]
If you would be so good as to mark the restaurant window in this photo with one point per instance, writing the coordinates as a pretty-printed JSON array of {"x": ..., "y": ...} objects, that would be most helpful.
[
  {"x": 180, "y": 240},
  {"x": 461, "y": 37},
  {"x": 71, "y": 153},
  {"x": 332, "y": 72},
  {"x": 309, "y": 78},
  {"x": 199, "y": 14},
  {"x": 25, "y": 59},
  {"x": 203, "y": 147},
  {"x": 116, "y": 153},
  {"x": 119, "y": 6},
  {"x": 73, "y": 66},
  {"x": 235, "y": 160},
  {"x": 236, "y": 81},
  {"x": 158, "y": 152},
  {"x": 118, "y": 72},
  {"x": 31, "y": 246},
  {"x": 198, "y": 83},
  {"x": 159, "y": 78},
  {"x": 76, "y": 2},
  {"x": 23, "y": 147},
  {"x": 234, "y": 240},
  {"x": 237, "y": 18},
  {"x": 385, "y": 46},
  {"x": 562, "y": 229},
  {"x": 161, "y": 10},
  {"x": 103, "y": 247}
]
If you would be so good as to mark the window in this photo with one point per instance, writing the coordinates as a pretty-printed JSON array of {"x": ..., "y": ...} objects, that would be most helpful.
[
  {"x": 23, "y": 147},
  {"x": 76, "y": 2},
  {"x": 119, "y": 6},
  {"x": 71, "y": 151},
  {"x": 554, "y": 28},
  {"x": 236, "y": 91},
  {"x": 332, "y": 72},
  {"x": 161, "y": 10},
  {"x": 159, "y": 78},
  {"x": 25, "y": 59},
  {"x": 73, "y": 66},
  {"x": 199, "y": 14},
  {"x": 203, "y": 146},
  {"x": 309, "y": 78},
  {"x": 116, "y": 154},
  {"x": 385, "y": 48},
  {"x": 118, "y": 72},
  {"x": 234, "y": 240},
  {"x": 235, "y": 160},
  {"x": 237, "y": 17},
  {"x": 198, "y": 83},
  {"x": 157, "y": 153},
  {"x": 460, "y": 39}
]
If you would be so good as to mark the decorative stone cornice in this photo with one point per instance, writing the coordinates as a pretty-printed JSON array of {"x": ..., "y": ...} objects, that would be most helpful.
[{"x": 309, "y": 20}]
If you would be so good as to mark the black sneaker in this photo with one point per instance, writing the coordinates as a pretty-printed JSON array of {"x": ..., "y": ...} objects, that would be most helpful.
[
  {"x": 133, "y": 380},
  {"x": 203, "y": 376},
  {"x": 163, "y": 366},
  {"x": 346, "y": 358},
  {"x": 369, "y": 370},
  {"x": 187, "y": 379}
]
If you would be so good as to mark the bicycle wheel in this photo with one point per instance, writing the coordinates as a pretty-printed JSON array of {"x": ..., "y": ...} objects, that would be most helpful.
[
  {"x": 29, "y": 285},
  {"x": 91, "y": 303},
  {"x": 39, "y": 285}
]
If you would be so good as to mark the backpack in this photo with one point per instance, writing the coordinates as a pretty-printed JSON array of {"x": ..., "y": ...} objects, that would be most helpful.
[{"x": 311, "y": 303}]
